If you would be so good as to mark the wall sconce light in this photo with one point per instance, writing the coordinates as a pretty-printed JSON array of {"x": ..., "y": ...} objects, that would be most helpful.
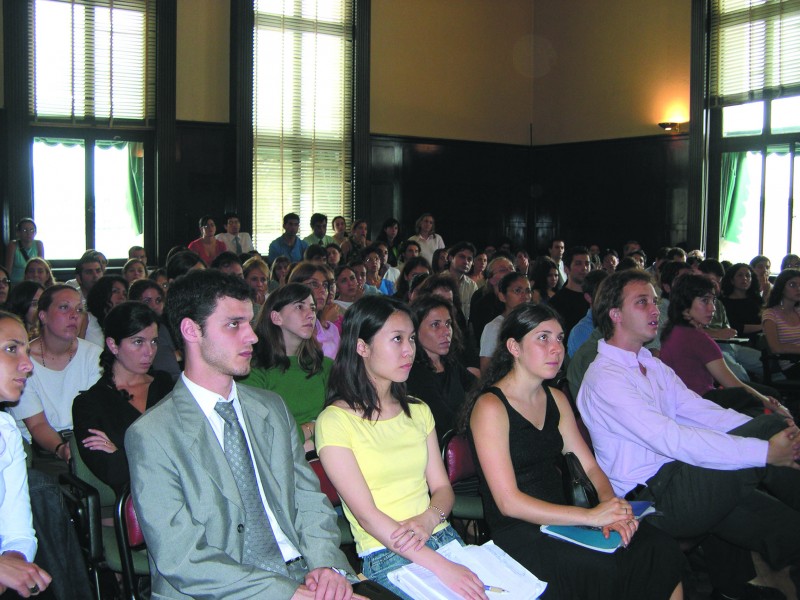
[{"x": 671, "y": 127}]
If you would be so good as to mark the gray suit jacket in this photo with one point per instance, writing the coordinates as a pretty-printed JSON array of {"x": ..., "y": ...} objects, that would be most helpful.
[{"x": 190, "y": 509}]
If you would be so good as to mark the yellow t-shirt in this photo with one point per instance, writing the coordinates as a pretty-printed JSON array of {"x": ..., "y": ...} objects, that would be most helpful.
[{"x": 392, "y": 456}]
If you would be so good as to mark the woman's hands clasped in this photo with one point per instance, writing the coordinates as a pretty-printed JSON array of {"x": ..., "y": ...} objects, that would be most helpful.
[
  {"x": 615, "y": 514},
  {"x": 413, "y": 533}
]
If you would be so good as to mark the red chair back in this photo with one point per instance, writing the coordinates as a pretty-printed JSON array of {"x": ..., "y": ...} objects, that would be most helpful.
[
  {"x": 135, "y": 536},
  {"x": 324, "y": 482},
  {"x": 458, "y": 459}
]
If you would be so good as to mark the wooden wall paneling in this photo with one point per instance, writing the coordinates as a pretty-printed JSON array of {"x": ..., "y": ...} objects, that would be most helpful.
[
  {"x": 205, "y": 173},
  {"x": 602, "y": 192}
]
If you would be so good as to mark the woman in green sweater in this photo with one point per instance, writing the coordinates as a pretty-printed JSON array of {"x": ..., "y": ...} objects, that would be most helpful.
[{"x": 288, "y": 360}]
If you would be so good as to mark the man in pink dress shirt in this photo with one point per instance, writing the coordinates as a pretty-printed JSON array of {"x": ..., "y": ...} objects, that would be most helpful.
[{"x": 708, "y": 469}]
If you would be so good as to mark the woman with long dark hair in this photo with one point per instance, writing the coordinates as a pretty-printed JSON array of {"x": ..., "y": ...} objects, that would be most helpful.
[
  {"x": 109, "y": 291},
  {"x": 413, "y": 266},
  {"x": 152, "y": 294},
  {"x": 379, "y": 448},
  {"x": 23, "y": 301},
  {"x": 518, "y": 429},
  {"x": 389, "y": 233},
  {"x": 438, "y": 377},
  {"x": 741, "y": 297},
  {"x": 288, "y": 360},
  {"x": 102, "y": 414},
  {"x": 544, "y": 280},
  {"x": 781, "y": 319},
  {"x": 696, "y": 358}
]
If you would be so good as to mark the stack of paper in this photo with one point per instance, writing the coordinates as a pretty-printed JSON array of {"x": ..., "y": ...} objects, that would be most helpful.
[{"x": 493, "y": 566}]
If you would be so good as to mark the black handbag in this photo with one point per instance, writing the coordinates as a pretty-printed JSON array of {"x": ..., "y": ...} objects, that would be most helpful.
[{"x": 578, "y": 488}]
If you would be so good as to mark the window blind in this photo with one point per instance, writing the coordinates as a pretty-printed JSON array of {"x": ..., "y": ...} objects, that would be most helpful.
[
  {"x": 755, "y": 50},
  {"x": 92, "y": 62},
  {"x": 302, "y": 113}
]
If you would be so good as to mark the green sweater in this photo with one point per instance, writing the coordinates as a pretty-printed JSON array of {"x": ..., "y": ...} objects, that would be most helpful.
[{"x": 304, "y": 396}]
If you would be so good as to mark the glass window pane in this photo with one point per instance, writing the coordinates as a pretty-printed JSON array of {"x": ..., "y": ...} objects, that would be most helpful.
[
  {"x": 59, "y": 196},
  {"x": 786, "y": 115},
  {"x": 744, "y": 119},
  {"x": 776, "y": 205},
  {"x": 119, "y": 193}
]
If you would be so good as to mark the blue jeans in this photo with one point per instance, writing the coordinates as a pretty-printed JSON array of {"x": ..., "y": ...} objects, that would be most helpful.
[{"x": 378, "y": 564}]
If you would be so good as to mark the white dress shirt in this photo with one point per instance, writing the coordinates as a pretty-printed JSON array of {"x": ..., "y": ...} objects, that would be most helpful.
[
  {"x": 207, "y": 400},
  {"x": 244, "y": 240},
  {"x": 16, "y": 524}
]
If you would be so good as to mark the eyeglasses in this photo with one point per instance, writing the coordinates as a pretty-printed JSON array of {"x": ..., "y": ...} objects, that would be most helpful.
[
  {"x": 315, "y": 285},
  {"x": 520, "y": 291},
  {"x": 5, "y": 281},
  {"x": 27, "y": 230}
]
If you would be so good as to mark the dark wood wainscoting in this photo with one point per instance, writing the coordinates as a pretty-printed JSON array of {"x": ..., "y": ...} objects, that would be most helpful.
[
  {"x": 205, "y": 182},
  {"x": 603, "y": 192}
]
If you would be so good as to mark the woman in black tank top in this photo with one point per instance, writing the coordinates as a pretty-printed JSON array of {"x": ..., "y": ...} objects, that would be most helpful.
[{"x": 518, "y": 429}]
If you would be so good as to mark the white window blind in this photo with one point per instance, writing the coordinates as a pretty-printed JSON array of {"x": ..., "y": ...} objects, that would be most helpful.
[
  {"x": 755, "y": 50},
  {"x": 92, "y": 61},
  {"x": 302, "y": 113}
]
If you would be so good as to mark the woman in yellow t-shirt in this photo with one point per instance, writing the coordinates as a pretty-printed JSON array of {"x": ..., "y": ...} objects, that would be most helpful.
[{"x": 379, "y": 448}]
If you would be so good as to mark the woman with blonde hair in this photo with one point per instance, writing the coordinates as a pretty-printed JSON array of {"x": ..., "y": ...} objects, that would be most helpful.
[
  {"x": 256, "y": 274},
  {"x": 429, "y": 241},
  {"x": 38, "y": 269}
]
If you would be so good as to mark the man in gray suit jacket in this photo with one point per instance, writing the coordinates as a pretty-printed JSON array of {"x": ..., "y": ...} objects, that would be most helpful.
[{"x": 187, "y": 496}]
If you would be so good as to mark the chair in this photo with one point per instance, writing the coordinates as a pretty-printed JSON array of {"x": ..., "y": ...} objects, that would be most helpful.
[
  {"x": 463, "y": 476},
  {"x": 130, "y": 544},
  {"x": 327, "y": 488},
  {"x": 90, "y": 502},
  {"x": 789, "y": 388}
]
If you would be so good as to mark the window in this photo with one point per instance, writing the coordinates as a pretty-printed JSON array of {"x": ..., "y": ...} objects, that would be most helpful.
[
  {"x": 302, "y": 113},
  {"x": 754, "y": 97},
  {"x": 91, "y": 101}
]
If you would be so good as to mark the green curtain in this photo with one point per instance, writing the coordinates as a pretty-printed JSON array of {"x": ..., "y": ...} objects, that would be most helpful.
[
  {"x": 136, "y": 184},
  {"x": 734, "y": 190}
]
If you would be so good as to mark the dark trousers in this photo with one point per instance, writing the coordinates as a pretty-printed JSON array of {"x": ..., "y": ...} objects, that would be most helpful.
[{"x": 754, "y": 509}]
